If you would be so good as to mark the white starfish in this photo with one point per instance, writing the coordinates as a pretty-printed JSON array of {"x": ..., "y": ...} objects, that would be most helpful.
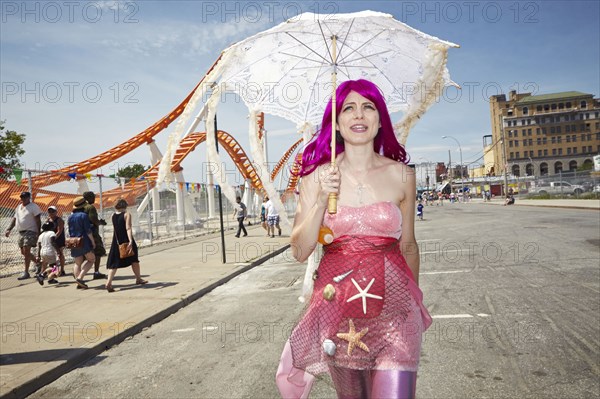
[{"x": 363, "y": 294}]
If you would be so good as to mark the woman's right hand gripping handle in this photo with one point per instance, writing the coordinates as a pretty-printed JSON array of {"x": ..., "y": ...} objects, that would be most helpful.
[{"x": 314, "y": 194}]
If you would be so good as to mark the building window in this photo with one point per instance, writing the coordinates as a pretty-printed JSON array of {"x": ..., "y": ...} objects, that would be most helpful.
[
  {"x": 572, "y": 165},
  {"x": 587, "y": 127},
  {"x": 524, "y": 142},
  {"x": 568, "y": 139},
  {"x": 587, "y": 115},
  {"x": 552, "y": 130},
  {"x": 539, "y": 153},
  {"x": 558, "y": 167},
  {"x": 510, "y": 143},
  {"x": 574, "y": 150},
  {"x": 554, "y": 151},
  {"x": 568, "y": 104},
  {"x": 583, "y": 150},
  {"x": 573, "y": 138},
  {"x": 560, "y": 151},
  {"x": 510, "y": 133},
  {"x": 583, "y": 137},
  {"x": 525, "y": 111},
  {"x": 553, "y": 106},
  {"x": 568, "y": 150},
  {"x": 589, "y": 149},
  {"x": 545, "y": 153},
  {"x": 512, "y": 155},
  {"x": 544, "y": 140},
  {"x": 551, "y": 119},
  {"x": 516, "y": 143},
  {"x": 567, "y": 129},
  {"x": 530, "y": 141},
  {"x": 558, "y": 129},
  {"x": 561, "y": 105},
  {"x": 538, "y": 108},
  {"x": 543, "y": 130},
  {"x": 538, "y": 141},
  {"x": 589, "y": 137},
  {"x": 517, "y": 154},
  {"x": 529, "y": 132},
  {"x": 537, "y": 130},
  {"x": 583, "y": 104},
  {"x": 559, "y": 139},
  {"x": 546, "y": 107},
  {"x": 530, "y": 153},
  {"x": 509, "y": 112},
  {"x": 553, "y": 140},
  {"x": 529, "y": 121}
]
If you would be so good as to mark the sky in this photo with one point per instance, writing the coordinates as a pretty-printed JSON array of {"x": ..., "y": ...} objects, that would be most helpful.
[{"x": 79, "y": 78}]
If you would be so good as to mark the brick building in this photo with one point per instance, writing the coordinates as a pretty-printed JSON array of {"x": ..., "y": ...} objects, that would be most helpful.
[{"x": 543, "y": 134}]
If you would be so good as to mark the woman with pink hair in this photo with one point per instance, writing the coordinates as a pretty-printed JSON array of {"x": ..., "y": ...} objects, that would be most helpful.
[{"x": 365, "y": 319}]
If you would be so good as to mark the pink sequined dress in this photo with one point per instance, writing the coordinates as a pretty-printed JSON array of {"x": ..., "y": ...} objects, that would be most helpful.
[{"x": 374, "y": 294}]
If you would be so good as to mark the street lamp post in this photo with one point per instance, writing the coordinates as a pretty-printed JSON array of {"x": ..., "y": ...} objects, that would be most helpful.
[{"x": 462, "y": 181}]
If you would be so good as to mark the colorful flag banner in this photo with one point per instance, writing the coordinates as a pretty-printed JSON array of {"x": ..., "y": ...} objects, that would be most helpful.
[{"x": 18, "y": 175}]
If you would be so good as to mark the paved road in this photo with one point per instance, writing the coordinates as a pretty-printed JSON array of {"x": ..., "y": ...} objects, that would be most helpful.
[{"x": 514, "y": 292}]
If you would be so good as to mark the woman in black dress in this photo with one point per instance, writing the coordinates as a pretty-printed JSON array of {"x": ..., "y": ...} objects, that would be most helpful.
[{"x": 123, "y": 233}]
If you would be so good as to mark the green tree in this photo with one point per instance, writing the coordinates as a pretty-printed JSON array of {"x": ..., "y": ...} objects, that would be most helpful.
[
  {"x": 11, "y": 148},
  {"x": 131, "y": 172}
]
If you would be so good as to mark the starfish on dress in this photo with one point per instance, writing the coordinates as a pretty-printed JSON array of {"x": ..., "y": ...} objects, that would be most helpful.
[
  {"x": 354, "y": 338},
  {"x": 363, "y": 294}
]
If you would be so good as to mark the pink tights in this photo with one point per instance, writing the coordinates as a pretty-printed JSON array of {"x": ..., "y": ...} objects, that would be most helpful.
[{"x": 373, "y": 384}]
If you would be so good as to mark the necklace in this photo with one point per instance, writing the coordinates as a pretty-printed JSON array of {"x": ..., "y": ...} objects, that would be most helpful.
[{"x": 359, "y": 191}]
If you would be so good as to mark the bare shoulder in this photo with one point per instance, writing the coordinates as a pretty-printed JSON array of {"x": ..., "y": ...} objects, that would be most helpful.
[{"x": 399, "y": 172}]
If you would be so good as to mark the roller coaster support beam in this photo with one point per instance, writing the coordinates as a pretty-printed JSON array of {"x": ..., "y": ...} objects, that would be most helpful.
[
  {"x": 179, "y": 199},
  {"x": 155, "y": 156}
]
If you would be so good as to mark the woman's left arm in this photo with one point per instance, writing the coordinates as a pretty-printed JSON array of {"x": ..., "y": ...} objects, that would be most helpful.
[
  {"x": 87, "y": 228},
  {"x": 128, "y": 227},
  {"x": 408, "y": 242}
]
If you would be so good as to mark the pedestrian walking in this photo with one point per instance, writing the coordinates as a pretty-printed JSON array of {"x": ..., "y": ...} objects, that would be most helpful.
[
  {"x": 122, "y": 235},
  {"x": 80, "y": 228},
  {"x": 240, "y": 212},
  {"x": 59, "y": 230},
  {"x": 420, "y": 210},
  {"x": 47, "y": 252},
  {"x": 263, "y": 214},
  {"x": 27, "y": 220},
  {"x": 365, "y": 319},
  {"x": 272, "y": 218},
  {"x": 96, "y": 222}
]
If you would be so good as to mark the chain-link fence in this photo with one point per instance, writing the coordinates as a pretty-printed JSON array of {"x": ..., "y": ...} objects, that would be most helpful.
[
  {"x": 184, "y": 210},
  {"x": 563, "y": 185}
]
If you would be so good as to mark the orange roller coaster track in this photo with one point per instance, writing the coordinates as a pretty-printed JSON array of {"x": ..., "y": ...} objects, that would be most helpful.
[{"x": 137, "y": 187}]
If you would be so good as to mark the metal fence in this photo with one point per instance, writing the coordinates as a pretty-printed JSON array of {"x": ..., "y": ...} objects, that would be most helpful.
[
  {"x": 563, "y": 185},
  {"x": 154, "y": 213}
]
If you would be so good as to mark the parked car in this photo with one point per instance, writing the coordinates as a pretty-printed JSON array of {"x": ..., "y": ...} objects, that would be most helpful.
[{"x": 559, "y": 187}]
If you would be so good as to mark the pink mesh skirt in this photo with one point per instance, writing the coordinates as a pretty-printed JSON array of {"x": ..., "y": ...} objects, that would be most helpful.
[{"x": 374, "y": 298}]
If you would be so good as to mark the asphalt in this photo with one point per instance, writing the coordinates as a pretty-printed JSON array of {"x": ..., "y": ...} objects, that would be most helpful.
[{"x": 49, "y": 330}]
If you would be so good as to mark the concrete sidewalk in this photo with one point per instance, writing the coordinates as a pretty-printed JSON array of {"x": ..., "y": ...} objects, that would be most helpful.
[
  {"x": 552, "y": 203},
  {"x": 49, "y": 330}
]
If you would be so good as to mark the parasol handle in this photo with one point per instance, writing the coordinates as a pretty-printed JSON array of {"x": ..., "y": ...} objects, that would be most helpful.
[{"x": 332, "y": 200}]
